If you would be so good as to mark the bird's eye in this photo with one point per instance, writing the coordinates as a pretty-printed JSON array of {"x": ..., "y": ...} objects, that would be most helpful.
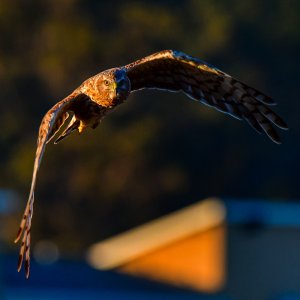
[{"x": 106, "y": 82}]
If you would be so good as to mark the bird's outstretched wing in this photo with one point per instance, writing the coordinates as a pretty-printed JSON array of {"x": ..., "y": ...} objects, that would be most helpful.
[
  {"x": 176, "y": 71},
  {"x": 51, "y": 123}
]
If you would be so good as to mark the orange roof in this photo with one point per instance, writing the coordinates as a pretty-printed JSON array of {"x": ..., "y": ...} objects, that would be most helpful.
[{"x": 186, "y": 247}]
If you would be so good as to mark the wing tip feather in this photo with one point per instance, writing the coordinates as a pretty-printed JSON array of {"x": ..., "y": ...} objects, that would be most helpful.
[{"x": 19, "y": 233}]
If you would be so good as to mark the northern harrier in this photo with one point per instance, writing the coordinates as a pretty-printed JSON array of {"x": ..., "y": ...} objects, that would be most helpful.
[{"x": 166, "y": 70}]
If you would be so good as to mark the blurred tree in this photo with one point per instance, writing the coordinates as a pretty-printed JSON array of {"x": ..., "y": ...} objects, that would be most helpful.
[{"x": 145, "y": 159}]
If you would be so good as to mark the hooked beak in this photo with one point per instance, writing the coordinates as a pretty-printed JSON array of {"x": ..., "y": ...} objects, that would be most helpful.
[{"x": 116, "y": 89}]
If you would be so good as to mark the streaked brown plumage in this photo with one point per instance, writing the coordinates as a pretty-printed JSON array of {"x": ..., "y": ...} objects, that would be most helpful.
[{"x": 167, "y": 70}]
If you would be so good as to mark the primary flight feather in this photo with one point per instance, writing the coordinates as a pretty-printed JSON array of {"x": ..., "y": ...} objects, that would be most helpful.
[{"x": 166, "y": 70}]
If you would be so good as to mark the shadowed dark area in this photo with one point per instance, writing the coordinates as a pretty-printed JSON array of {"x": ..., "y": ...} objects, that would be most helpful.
[{"x": 159, "y": 151}]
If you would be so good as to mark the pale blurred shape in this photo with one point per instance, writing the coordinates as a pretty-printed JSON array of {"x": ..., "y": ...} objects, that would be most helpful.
[
  {"x": 185, "y": 248},
  {"x": 46, "y": 252},
  {"x": 131, "y": 244}
]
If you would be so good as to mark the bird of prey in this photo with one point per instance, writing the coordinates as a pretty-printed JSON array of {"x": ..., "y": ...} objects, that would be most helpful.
[{"x": 165, "y": 70}]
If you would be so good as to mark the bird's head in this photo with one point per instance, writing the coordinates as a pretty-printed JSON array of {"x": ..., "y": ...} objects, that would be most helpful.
[{"x": 108, "y": 88}]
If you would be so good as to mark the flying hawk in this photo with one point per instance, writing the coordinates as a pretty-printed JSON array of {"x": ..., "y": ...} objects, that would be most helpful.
[{"x": 166, "y": 70}]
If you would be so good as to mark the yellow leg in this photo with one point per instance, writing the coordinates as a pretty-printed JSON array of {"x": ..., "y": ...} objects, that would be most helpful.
[{"x": 81, "y": 127}]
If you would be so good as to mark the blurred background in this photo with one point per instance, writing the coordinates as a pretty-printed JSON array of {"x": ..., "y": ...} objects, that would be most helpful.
[{"x": 158, "y": 152}]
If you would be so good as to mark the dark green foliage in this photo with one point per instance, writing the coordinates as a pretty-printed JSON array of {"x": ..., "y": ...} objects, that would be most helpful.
[{"x": 159, "y": 151}]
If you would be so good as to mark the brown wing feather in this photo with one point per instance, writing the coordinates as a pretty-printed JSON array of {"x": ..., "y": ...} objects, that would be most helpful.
[
  {"x": 50, "y": 124},
  {"x": 176, "y": 71}
]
